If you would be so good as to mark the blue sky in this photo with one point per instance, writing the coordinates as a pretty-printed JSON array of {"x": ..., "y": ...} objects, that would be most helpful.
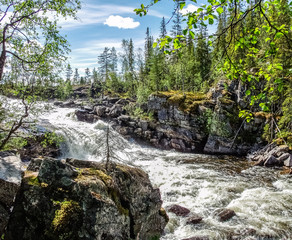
[{"x": 105, "y": 23}]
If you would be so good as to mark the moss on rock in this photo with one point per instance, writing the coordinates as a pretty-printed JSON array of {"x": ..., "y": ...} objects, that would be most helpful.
[{"x": 69, "y": 212}]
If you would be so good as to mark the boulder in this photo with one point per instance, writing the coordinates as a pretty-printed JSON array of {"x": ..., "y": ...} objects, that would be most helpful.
[
  {"x": 84, "y": 116},
  {"x": 194, "y": 219},
  {"x": 68, "y": 104},
  {"x": 288, "y": 161},
  {"x": 10, "y": 181},
  {"x": 100, "y": 111},
  {"x": 271, "y": 161},
  {"x": 116, "y": 110},
  {"x": 178, "y": 210},
  {"x": 225, "y": 214},
  {"x": 72, "y": 199}
]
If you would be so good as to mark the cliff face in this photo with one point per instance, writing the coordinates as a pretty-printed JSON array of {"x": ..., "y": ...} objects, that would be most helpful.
[
  {"x": 188, "y": 122},
  {"x": 72, "y": 199}
]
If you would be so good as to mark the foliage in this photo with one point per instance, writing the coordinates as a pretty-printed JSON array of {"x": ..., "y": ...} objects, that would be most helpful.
[
  {"x": 51, "y": 138},
  {"x": 252, "y": 46}
]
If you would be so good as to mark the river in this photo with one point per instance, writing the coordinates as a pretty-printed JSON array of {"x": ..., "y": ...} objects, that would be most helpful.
[{"x": 261, "y": 197}]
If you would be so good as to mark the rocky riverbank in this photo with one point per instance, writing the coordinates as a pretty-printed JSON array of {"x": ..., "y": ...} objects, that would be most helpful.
[
  {"x": 72, "y": 199},
  {"x": 187, "y": 122}
]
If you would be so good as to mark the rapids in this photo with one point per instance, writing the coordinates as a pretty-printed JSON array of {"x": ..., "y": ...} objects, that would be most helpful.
[{"x": 261, "y": 197}]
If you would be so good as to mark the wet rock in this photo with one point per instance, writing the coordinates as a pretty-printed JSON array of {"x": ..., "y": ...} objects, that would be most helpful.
[
  {"x": 178, "y": 210},
  {"x": 97, "y": 204},
  {"x": 85, "y": 116},
  {"x": 68, "y": 104},
  {"x": 197, "y": 238},
  {"x": 194, "y": 219},
  {"x": 288, "y": 161},
  {"x": 88, "y": 108},
  {"x": 58, "y": 103},
  {"x": 225, "y": 215},
  {"x": 271, "y": 155},
  {"x": 10, "y": 181},
  {"x": 271, "y": 161}
]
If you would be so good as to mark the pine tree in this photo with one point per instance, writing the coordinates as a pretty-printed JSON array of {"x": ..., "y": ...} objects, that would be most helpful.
[
  {"x": 105, "y": 64},
  {"x": 87, "y": 75},
  {"x": 69, "y": 72},
  {"x": 114, "y": 60},
  {"x": 148, "y": 50},
  {"x": 163, "y": 31},
  {"x": 177, "y": 20},
  {"x": 76, "y": 76}
]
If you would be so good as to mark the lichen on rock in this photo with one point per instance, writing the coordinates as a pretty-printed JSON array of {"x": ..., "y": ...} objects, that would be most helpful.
[{"x": 72, "y": 199}]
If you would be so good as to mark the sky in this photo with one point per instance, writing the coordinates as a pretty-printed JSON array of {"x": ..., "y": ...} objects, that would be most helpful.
[{"x": 103, "y": 24}]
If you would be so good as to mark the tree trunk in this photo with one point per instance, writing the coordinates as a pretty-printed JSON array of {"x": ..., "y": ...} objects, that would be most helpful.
[{"x": 2, "y": 62}]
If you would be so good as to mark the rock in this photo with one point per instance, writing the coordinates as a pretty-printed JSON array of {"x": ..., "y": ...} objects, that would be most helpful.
[
  {"x": 194, "y": 219},
  {"x": 58, "y": 103},
  {"x": 288, "y": 161},
  {"x": 10, "y": 181},
  {"x": 271, "y": 161},
  {"x": 197, "y": 238},
  {"x": 144, "y": 125},
  {"x": 123, "y": 101},
  {"x": 225, "y": 215},
  {"x": 124, "y": 118},
  {"x": 85, "y": 116},
  {"x": 88, "y": 108},
  {"x": 113, "y": 100},
  {"x": 283, "y": 157},
  {"x": 72, "y": 199},
  {"x": 178, "y": 210},
  {"x": 100, "y": 111},
  {"x": 116, "y": 111},
  {"x": 68, "y": 104}
]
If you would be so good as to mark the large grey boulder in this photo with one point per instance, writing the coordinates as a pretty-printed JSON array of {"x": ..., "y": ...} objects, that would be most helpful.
[
  {"x": 72, "y": 199},
  {"x": 10, "y": 181}
]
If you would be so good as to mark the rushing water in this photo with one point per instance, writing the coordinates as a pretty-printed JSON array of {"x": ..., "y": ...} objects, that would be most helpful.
[{"x": 261, "y": 197}]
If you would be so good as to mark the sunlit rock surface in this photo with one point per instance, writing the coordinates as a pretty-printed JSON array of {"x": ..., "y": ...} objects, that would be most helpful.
[
  {"x": 10, "y": 180},
  {"x": 72, "y": 199}
]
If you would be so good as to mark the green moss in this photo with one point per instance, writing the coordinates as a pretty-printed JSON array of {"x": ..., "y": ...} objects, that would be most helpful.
[
  {"x": 68, "y": 213},
  {"x": 87, "y": 173},
  {"x": 186, "y": 102},
  {"x": 31, "y": 178},
  {"x": 226, "y": 101},
  {"x": 130, "y": 171},
  {"x": 115, "y": 196}
]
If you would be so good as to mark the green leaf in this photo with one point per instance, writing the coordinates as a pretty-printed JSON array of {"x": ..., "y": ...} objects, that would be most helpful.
[
  {"x": 278, "y": 35},
  {"x": 219, "y": 10},
  {"x": 192, "y": 34},
  {"x": 247, "y": 93},
  {"x": 182, "y": 5},
  {"x": 211, "y": 21},
  {"x": 154, "y": 44}
]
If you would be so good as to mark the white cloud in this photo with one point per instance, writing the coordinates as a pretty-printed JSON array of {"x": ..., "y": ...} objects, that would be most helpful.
[
  {"x": 189, "y": 9},
  {"x": 121, "y": 22},
  {"x": 94, "y": 14}
]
